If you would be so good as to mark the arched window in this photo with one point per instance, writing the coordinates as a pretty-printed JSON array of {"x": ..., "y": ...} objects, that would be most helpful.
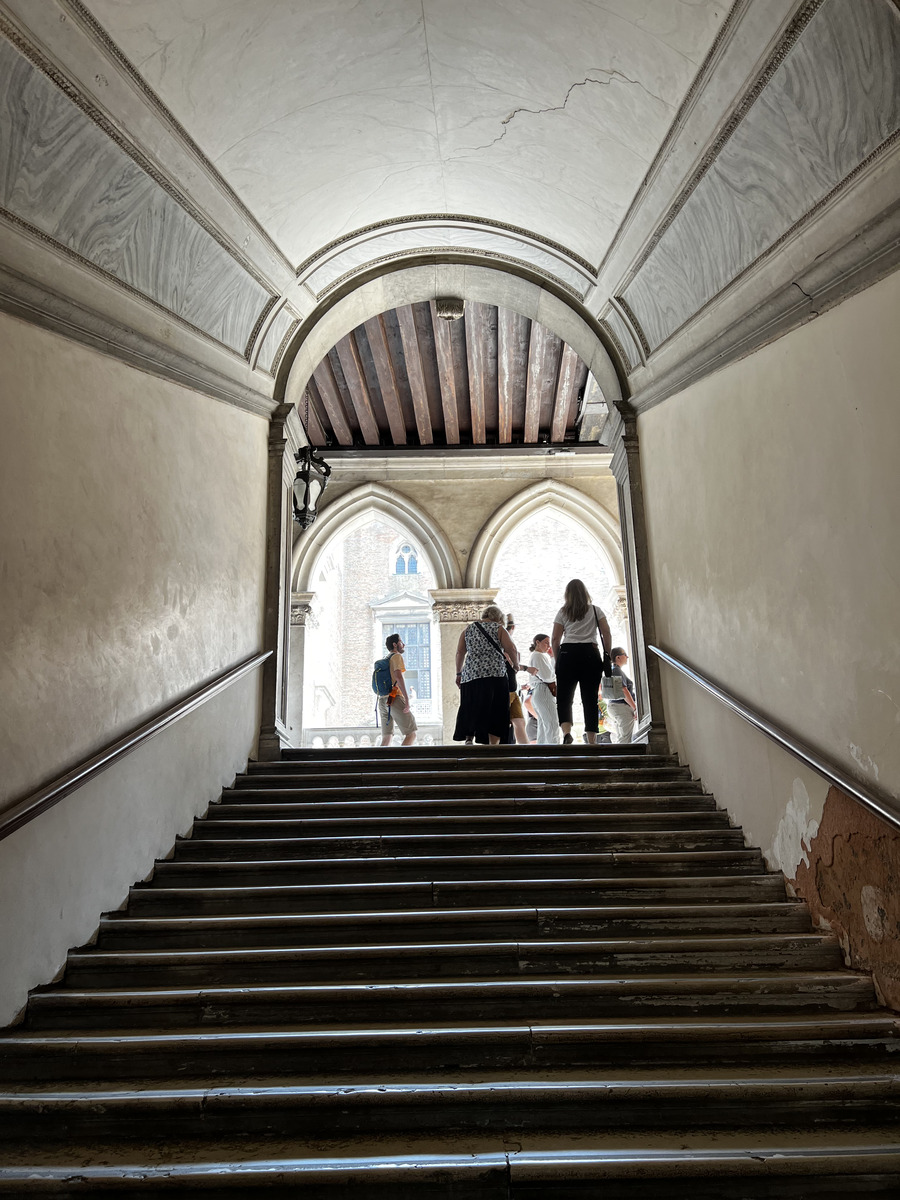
[{"x": 406, "y": 562}]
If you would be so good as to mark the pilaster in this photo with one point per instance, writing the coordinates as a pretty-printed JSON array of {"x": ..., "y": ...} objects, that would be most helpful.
[
  {"x": 626, "y": 466},
  {"x": 301, "y": 618}
]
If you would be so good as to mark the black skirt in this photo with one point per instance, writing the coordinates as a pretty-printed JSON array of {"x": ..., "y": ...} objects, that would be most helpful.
[{"x": 483, "y": 710}]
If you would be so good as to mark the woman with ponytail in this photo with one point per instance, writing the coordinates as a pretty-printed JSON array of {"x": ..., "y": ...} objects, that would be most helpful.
[
  {"x": 544, "y": 695},
  {"x": 579, "y": 662}
]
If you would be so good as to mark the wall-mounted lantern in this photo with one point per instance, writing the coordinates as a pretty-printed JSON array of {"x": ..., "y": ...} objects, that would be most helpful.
[{"x": 309, "y": 484}]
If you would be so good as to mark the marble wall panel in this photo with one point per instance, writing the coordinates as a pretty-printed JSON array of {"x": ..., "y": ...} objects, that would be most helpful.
[
  {"x": 65, "y": 177},
  {"x": 829, "y": 105},
  {"x": 273, "y": 339}
]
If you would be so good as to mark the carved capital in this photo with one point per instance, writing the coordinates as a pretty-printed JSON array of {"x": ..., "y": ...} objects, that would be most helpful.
[
  {"x": 301, "y": 609},
  {"x": 461, "y": 604}
]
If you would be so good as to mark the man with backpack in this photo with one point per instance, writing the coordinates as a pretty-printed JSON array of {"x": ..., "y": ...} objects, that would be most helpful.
[{"x": 393, "y": 698}]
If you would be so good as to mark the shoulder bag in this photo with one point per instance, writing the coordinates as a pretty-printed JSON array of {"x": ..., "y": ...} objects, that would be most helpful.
[{"x": 510, "y": 673}]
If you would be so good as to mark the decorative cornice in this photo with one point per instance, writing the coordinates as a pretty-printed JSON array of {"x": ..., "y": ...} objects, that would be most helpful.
[
  {"x": 282, "y": 346},
  {"x": 798, "y": 225},
  {"x": 446, "y": 219},
  {"x": 96, "y": 30},
  {"x": 260, "y": 320},
  {"x": 700, "y": 79},
  {"x": 617, "y": 345},
  {"x": 635, "y": 325},
  {"x": 94, "y": 114},
  {"x": 449, "y": 252},
  {"x": 785, "y": 45}
]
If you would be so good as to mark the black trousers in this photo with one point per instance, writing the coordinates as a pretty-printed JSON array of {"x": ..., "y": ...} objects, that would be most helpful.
[{"x": 579, "y": 664}]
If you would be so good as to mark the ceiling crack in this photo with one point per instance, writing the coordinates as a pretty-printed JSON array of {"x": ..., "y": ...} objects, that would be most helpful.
[{"x": 612, "y": 75}]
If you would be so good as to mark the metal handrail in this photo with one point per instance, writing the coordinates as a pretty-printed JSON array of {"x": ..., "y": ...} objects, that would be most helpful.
[
  {"x": 22, "y": 811},
  {"x": 881, "y": 803}
]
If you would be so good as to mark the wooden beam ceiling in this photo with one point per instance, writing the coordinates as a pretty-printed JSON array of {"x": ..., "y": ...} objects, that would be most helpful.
[{"x": 410, "y": 378}]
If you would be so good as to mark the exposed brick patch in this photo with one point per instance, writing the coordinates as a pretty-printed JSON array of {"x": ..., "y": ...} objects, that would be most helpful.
[{"x": 853, "y": 883}]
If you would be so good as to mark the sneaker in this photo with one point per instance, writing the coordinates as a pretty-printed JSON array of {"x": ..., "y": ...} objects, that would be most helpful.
[{"x": 567, "y": 739}]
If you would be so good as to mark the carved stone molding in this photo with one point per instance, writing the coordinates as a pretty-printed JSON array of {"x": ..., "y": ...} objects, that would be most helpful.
[
  {"x": 461, "y": 605},
  {"x": 301, "y": 609}
]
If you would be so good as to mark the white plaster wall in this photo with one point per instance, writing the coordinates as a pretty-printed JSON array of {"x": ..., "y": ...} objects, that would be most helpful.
[
  {"x": 773, "y": 501},
  {"x": 132, "y": 539},
  {"x": 77, "y": 860},
  {"x": 131, "y": 572}
]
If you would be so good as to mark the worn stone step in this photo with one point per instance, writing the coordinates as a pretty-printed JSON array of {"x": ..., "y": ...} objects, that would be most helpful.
[
  {"x": 613, "y": 806},
  {"x": 393, "y": 787},
  {"x": 233, "y": 821},
  {"x": 483, "y": 778},
  {"x": 347, "y": 1109},
  {"x": 211, "y": 871},
  {"x": 243, "y": 846},
  {"x": 121, "y": 932},
  {"x": 292, "y": 964},
  {"x": 769, "y": 1169},
  {"x": 367, "y": 1053},
  {"x": 516, "y": 755},
  {"x": 162, "y": 896},
  {"x": 450, "y": 1000}
]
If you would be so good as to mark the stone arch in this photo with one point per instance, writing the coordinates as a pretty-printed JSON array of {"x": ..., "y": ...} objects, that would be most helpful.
[
  {"x": 556, "y": 308},
  {"x": 546, "y": 493},
  {"x": 360, "y": 504}
]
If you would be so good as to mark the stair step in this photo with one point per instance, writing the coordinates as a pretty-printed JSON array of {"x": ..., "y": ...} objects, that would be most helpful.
[
  {"x": 348, "y": 1109},
  {"x": 245, "y": 821},
  {"x": 451, "y": 999},
  {"x": 392, "y": 789},
  {"x": 243, "y": 846},
  {"x": 365, "y": 1052},
  {"x": 538, "y": 805},
  {"x": 487, "y": 776},
  {"x": 771, "y": 1170},
  {"x": 516, "y": 756},
  {"x": 120, "y": 932},
  {"x": 453, "y": 867},
  {"x": 289, "y": 964},
  {"x": 161, "y": 895}
]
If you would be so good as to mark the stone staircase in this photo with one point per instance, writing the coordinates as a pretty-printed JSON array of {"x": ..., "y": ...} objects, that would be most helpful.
[{"x": 458, "y": 973}]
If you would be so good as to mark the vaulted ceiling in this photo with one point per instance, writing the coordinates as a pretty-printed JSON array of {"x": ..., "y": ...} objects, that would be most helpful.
[
  {"x": 329, "y": 115},
  {"x": 196, "y": 185},
  {"x": 409, "y": 377}
]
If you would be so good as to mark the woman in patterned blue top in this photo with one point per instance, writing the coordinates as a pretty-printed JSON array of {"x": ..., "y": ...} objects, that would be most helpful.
[{"x": 481, "y": 657}]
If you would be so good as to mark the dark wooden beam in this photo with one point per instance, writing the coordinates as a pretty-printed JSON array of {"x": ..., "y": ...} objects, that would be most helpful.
[
  {"x": 314, "y": 426},
  {"x": 534, "y": 386},
  {"x": 444, "y": 348},
  {"x": 332, "y": 402},
  {"x": 348, "y": 354},
  {"x": 387, "y": 379},
  {"x": 475, "y": 349},
  {"x": 566, "y": 386},
  {"x": 506, "y": 340},
  {"x": 414, "y": 373}
]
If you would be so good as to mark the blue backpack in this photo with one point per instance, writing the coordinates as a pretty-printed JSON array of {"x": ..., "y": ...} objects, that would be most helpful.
[{"x": 381, "y": 677}]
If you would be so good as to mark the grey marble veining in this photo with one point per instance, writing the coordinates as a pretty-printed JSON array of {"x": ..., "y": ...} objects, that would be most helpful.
[
  {"x": 832, "y": 102},
  {"x": 62, "y": 175},
  {"x": 273, "y": 339}
]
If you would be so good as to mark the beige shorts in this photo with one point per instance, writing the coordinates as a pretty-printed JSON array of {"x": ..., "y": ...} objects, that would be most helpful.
[
  {"x": 515, "y": 706},
  {"x": 392, "y": 718}
]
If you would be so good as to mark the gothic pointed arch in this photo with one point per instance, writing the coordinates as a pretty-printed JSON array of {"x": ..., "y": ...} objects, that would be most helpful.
[
  {"x": 547, "y": 493},
  {"x": 356, "y": 507}
]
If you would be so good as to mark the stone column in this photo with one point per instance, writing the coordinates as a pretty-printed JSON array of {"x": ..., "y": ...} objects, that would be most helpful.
[
  {"x": 626, "y": 466},
  {"x": 301, "y": 616},
  {"x": 455, "y": 608},
  {"x": 285, "y": 438}
]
